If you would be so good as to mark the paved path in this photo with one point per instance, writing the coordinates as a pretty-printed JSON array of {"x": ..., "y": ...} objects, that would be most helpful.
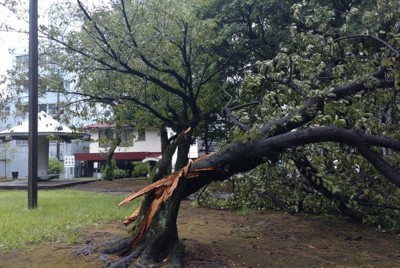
[{"x": 52, "y": 184}]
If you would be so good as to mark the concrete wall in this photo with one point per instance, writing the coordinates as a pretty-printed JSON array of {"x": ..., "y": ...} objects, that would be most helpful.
[
  {"x": 152, "y": 143},
  {"x": 17, "y": 155}
]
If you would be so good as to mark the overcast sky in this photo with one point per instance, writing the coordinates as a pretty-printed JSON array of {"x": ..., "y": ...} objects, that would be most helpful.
[
  {"x": 18, "y": 42},
  {"x": 9, "y": 40}
]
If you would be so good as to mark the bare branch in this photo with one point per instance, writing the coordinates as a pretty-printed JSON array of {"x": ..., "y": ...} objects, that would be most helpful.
[
  {"x": 126, "y": 66},
  {"x": 291, "y": 85},
  {"x": 238, "y": 107},
  {"x": 354, "y": 88},
  {"x": 386, "y": 44},
  {"x": 380, "y": 164},
  {"x": 227, "y": 113}
]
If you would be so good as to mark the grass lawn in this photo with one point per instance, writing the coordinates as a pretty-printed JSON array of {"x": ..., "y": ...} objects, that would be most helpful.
[{"x": 61, "y": 216}]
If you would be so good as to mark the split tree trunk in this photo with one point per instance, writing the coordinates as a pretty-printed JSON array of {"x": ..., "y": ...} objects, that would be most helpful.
[
  {"x": 159, "y": 242},
  {"x": 159, "y": 245},
  {"x": 182, "y": 154}
]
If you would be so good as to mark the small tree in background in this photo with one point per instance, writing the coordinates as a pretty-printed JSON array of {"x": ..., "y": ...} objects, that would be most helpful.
[
  {"x": 112, "y": 172},
  {"x": 55, "y": 166},
  {"x": 140, "y": 169}
]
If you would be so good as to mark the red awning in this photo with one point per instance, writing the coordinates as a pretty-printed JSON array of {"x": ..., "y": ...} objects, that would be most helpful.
[
  {"x": 99, "y": 125},
  {"x": 117, "y": 156}
]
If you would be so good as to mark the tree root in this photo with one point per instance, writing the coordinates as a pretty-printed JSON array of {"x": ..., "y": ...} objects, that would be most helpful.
[
  {"x": 143, "y": 257},
  {"x": 115, "y": 246},
  {"x": 126, "y": 261},
  {"x": 113, "y": 253}
]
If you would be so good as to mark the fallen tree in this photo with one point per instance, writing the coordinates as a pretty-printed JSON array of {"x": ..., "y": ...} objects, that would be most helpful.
[
  {"x": 155, "y": 240},
  {"x": 322, "y": 100}
]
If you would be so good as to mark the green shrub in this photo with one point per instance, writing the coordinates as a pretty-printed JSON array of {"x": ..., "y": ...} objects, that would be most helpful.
[
  {"x": 140, "y": 169},
  {"x": 113, "y": 172},
  {"x": 55, "y": 166}
]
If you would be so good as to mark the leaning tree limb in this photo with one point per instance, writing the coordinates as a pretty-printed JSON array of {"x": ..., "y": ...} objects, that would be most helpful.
[
  {"x": 310, "y": 173},
  {"x": 162, "y": 197},
  {"x": 241, "y": 157},
  {"x": 313, "y": 106}
]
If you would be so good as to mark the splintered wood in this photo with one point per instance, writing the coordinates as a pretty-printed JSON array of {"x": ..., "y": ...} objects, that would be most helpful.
[{"x": 163, "y": 190}]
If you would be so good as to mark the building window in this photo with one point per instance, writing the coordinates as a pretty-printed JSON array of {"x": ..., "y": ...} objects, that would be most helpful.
[
  {"x": 60, "y": 111},
  {"x": 22, "y": 58},
  {"x": 51, "y": 108},
  {"x": 105, "y": 137},
  {"x": 127, "y": 138},
  {"x": 21, "y": 142},
  {"x": 7, "y": 110},
  {"x": 141, "y": 135},
  {"x": 22, "y": 109},
  {"x": 42, "y": 108}
]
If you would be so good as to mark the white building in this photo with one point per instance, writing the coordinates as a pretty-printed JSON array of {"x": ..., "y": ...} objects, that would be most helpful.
[
  {"x": 135, "y": 146},
  {"x": 14, "y": 146}
]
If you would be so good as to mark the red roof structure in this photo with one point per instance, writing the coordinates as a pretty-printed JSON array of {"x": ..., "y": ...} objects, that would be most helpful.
[
  {"x": 99, "y": 125},
  {"x": 129, "y": 156}
]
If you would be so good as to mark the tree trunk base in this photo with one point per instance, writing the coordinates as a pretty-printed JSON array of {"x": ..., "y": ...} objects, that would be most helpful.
[{"x": 141, "y": 256}]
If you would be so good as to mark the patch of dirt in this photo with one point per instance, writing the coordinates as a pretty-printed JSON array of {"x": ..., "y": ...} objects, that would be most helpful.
[{"x": 226, "y": 239}]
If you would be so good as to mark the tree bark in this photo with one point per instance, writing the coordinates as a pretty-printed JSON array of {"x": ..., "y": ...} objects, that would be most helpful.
[
  {"x": 158, "y": 243},
  {"x": 116, "y": 140},
  {"x": 182, "y": 154}
]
